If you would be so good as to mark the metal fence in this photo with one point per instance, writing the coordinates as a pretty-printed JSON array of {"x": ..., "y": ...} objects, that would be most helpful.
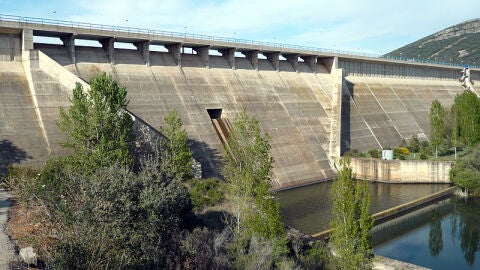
[{"x": 232, "y": 41}]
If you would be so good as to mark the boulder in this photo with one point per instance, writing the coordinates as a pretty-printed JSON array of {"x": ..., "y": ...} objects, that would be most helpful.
[{"x": 28, "y": 255}]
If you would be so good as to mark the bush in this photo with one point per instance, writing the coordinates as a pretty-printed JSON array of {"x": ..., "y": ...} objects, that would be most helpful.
[
  {"x": 352, "y": 153},
  {"x": 118, "y": 219},
  {"x": 400, "y": 152},
  {"x": 317, "y": 257},
  {"x": 205, "y": 193},
  {"x": 374, "y": 153},
  {"x": 423, "y": 156},
  {"x": 22, "y": 182}
]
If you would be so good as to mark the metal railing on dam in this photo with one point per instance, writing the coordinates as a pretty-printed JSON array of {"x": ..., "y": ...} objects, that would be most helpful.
[{"x": 233, "y": 42}]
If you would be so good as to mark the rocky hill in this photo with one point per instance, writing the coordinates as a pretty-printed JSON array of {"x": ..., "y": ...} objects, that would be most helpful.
[{"x": 456, "y": 44}]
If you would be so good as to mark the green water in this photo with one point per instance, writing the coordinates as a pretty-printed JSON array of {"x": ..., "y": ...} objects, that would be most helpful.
[
  {"x": 309, "y": 208},
  {"x": 447, "y": 240}
]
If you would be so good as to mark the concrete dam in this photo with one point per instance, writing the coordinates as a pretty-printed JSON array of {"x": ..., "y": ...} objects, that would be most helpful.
[{"x": 315, "y": 105}]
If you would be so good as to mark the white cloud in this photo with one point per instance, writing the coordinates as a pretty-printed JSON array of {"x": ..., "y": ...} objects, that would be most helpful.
[{"x": 373, "y": 26}]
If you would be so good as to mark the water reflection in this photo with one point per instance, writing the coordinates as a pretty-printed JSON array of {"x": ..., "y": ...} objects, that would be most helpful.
[
  {"x": 435, "y": 237},
  {"x": 309, "y": 208},
  {"x": 467, "y": 227},
  {"x": 450, "y": 239}
]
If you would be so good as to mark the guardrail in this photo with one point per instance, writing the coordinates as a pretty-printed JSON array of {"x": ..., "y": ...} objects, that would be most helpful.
[{"x": 233, "y": 41}]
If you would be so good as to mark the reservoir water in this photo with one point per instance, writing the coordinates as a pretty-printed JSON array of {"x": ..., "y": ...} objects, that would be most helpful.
[
  {"x": 309, "y": 208},
  {"x": 443, "y": 235}
]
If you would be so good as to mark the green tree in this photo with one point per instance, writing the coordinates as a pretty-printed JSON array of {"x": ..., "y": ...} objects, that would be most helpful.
[
  {"x": 97, "y": 126},
  {"x": 466, "y": 172},
  {"x": 467, "y": 107},
  {"x": 455, "y": 129},
  {"x": 177, "y": 154},
  {"x": 437, "y": 126},
  {"x": 352, "y": 223},
  {"x": 247, "y": 171}
]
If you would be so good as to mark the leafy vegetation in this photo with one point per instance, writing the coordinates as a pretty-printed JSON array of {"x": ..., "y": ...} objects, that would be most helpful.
[
  {"x": 178, "y": 156},
  {"x": 352, "y": 223},
  {"x": 98, "y": 211},
  {"x": 97, "y": 126},
  {"x": 437, "y": 125},
  {"x": 205, "y": 192},
  {"x": 247, "y": 171}
]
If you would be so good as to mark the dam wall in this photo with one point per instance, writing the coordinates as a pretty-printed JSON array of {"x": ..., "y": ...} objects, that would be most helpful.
[
  {"x": 315, "y": 105},
  {"x": 294, "y": 108},
  {"x": 379, "y": 112},
  {"x": 402, "y": 171}
]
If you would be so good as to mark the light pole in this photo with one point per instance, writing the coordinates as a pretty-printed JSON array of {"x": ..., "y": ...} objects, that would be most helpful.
[
  {"x": 185, "y": 37},
  {"x": 55, "y": 17}
]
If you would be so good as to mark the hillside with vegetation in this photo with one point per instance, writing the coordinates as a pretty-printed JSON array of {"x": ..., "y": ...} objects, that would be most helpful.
[{"x": 455, "y": 44}]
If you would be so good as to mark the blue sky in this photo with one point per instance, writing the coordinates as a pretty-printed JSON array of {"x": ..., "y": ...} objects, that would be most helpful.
[{"x": 369, "y": 26}]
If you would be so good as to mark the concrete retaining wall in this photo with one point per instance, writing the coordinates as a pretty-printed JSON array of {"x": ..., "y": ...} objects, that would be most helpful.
[{"x": 402, "y": 171}]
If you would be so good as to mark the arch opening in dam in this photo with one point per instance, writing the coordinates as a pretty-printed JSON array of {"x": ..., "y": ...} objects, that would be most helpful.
[{"x": 315, "y": 105}]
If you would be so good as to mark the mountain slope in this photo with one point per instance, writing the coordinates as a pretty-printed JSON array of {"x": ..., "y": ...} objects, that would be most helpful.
[{"x": 457, "y": 44}]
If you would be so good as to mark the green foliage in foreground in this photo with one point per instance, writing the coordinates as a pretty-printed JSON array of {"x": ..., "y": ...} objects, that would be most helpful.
[
  {"x": 97, "y": 126},
  {"x": 351, "y": 224},
  {"x": 437, "y": 125},
  {"x": 205, "y": 192},
  {"x": 466, "y": 172},
  {"x": 178, "y": 155},
  {"x": 247, "y": 171},
  {"x": 117, "y": 218}
]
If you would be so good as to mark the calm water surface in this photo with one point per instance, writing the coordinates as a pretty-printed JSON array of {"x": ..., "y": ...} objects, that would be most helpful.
[
  {"x": 447, "y": 240},
  {"x": 309, "y": 208}
]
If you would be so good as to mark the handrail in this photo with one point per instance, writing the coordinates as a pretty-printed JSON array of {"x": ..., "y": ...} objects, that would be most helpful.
[{"x": 233, "y": 41}]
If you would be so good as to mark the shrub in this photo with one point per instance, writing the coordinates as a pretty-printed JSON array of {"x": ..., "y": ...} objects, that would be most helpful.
[
  {"x": 21, "y": 181},
  {"x": 317, "y": 257},
  {"x": 374, "y": 153},
  {"x": 423, "y": 156},
  {"x": 206, "y": 192},
  {"x": 400, "y": 152},
  {"x": 118, "y": 219},
  {"x": 352, "y": 153}
]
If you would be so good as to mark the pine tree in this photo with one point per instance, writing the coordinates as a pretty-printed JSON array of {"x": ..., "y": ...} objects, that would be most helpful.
[
  {"x": 437, "y": 126},
  {"x": 352, "y": 223}
]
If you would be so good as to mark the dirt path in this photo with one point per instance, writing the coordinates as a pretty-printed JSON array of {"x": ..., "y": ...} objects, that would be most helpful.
[{"x": 6, "y": 247}]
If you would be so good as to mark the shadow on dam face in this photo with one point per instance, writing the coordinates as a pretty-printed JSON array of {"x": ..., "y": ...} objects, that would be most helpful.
[{"x": 10, "y": 154}]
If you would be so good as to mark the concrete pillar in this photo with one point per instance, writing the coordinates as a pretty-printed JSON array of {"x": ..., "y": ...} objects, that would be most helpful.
[
  {"x": 274, "y": 59},
  {"x": 203, "y": 53},
  {"x": 27, "y": 39},
  {"x": 174, "y": 50},
  {"x": 311, "y": 61},
  {"x": 293, "y": 60},
  {"x": 69, "y": 44},
  {"x": 108, "y": 46},
  {"x": 331, "y": 63},
  {"x": 144, "y": 48},
  {"x": 229, "y": 54},
  {"x": 253, "y": 57}
]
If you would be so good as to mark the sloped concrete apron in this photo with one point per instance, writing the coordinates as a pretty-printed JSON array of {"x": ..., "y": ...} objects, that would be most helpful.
[{"x": 6, "y": 247}]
